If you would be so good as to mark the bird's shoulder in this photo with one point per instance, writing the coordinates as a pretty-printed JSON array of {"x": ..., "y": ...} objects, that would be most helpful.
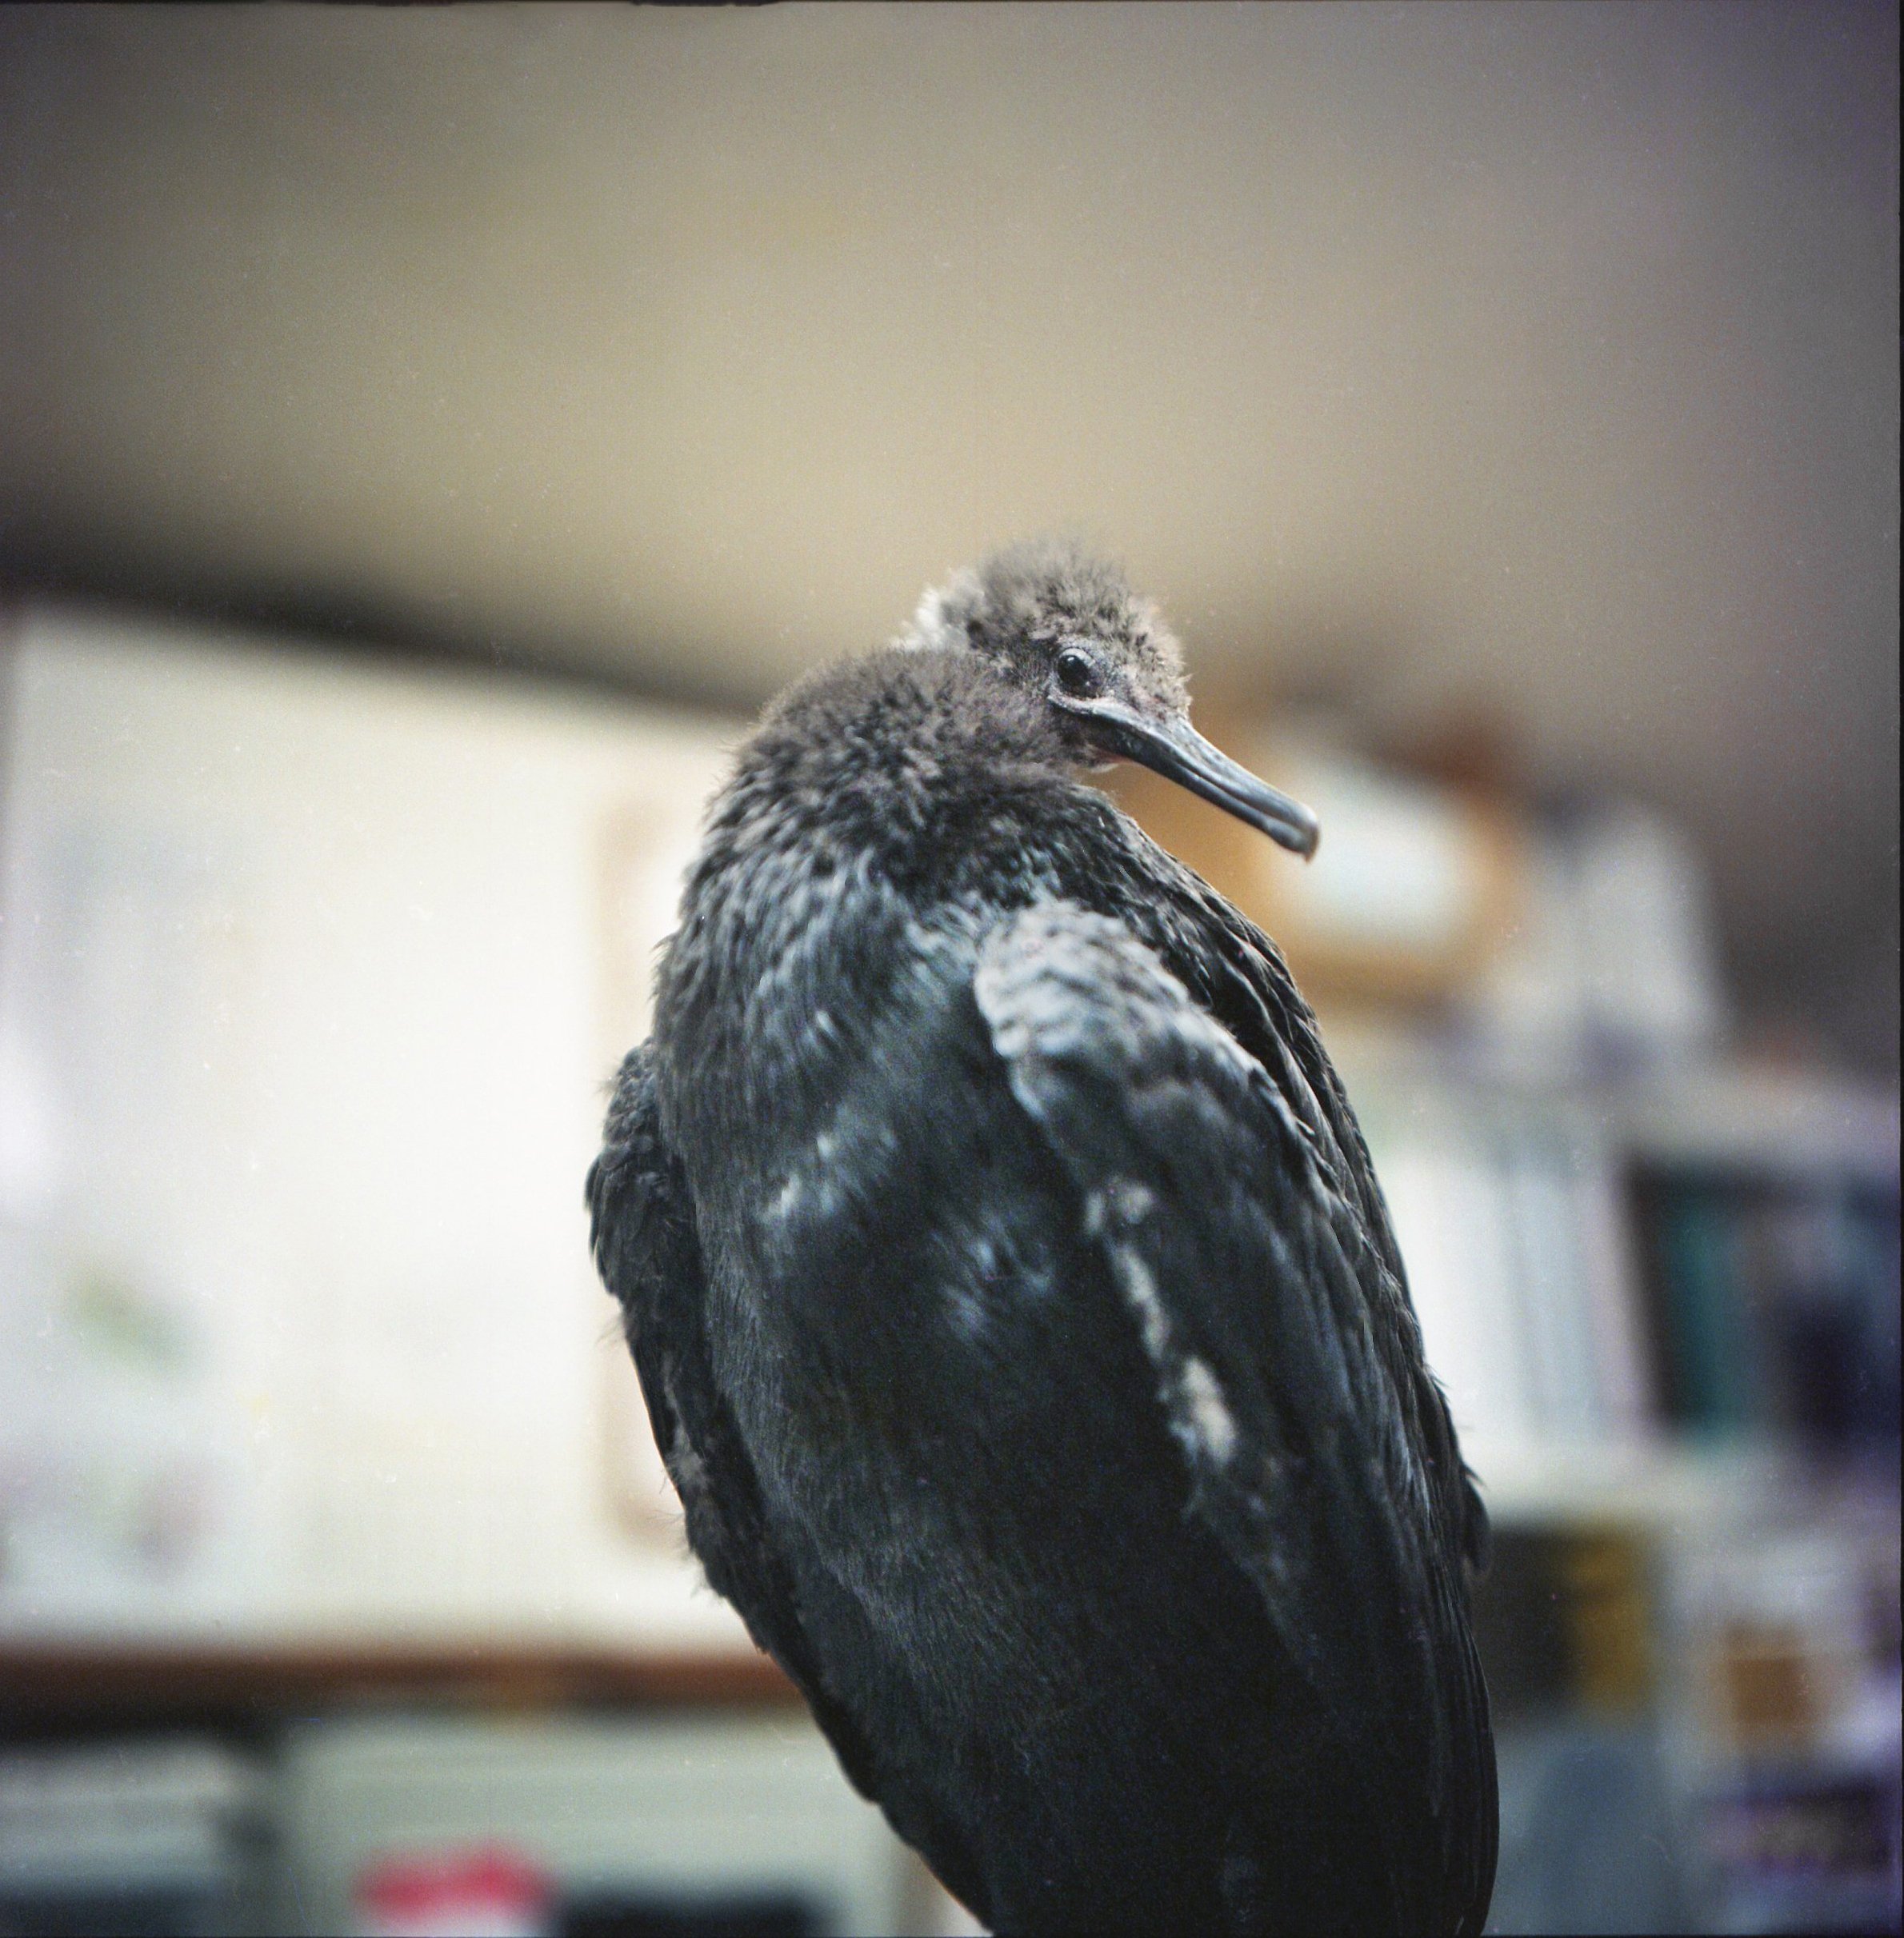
[{"x": 1233, "y": 972}]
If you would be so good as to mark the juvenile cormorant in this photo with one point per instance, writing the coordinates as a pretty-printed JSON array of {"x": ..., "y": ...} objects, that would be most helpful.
[{"x": 1019, "y": 1316}]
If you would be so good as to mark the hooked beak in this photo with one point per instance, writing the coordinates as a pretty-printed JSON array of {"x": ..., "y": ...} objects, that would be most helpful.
[{"x": 1175, "y": 749}]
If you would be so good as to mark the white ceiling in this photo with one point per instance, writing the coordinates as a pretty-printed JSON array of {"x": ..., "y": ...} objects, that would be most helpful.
[{"x": 1538, "y": 356}]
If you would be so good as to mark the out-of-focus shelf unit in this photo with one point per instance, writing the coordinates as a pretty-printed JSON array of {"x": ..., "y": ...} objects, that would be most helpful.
[
  {"x": 1532, "y": 1289},
  {"x": 709, "y": 1820},
  {"x": 1691, "y": 1624}
]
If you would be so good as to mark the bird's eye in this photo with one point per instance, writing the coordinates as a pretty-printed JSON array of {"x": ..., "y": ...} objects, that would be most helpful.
[{"x": 1077, "y": 672}]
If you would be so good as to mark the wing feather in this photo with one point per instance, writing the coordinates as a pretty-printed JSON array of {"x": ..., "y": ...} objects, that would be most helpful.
[
  {"x": 1235, "y": 972},
  {"x": 1229, "y": 1221},
  {"x": 647, "y": 1248}
]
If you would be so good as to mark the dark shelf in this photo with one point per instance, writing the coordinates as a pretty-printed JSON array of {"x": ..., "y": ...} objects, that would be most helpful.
[{"x": 74, "y": 1685}]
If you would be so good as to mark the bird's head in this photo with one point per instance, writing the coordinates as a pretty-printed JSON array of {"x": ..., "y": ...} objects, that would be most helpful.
[{"x": 1061, "y": 625}]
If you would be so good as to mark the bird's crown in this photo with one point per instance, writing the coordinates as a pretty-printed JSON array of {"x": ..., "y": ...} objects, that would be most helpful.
[{"x": 1023, "y": 604}]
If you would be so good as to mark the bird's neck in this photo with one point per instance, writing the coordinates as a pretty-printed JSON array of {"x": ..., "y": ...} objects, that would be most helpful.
[
  {"x": 878, "y": 804},
  {"x": 890, "y": 757}
]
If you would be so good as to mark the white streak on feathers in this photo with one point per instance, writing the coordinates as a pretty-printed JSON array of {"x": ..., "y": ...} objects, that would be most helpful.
[
  {"x": 1209, "y": 1416},
  {"x": 1138, "y": 1287}
]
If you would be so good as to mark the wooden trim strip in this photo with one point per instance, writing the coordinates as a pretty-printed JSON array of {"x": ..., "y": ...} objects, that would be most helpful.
[{"x": 73, "y": 1680}]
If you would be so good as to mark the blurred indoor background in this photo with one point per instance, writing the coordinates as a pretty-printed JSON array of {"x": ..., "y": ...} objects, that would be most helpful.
[{"x": 426, "y": 435}]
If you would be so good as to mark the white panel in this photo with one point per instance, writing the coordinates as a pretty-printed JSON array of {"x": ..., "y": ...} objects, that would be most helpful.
[{"x": 305, "y": 980}]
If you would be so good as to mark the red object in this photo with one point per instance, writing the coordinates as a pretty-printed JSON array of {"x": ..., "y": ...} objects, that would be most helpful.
[{"x": 486, "y": 1893}]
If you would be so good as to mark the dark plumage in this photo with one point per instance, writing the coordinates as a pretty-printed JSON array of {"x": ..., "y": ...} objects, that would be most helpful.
[{"x": 1018, "y": 1313}]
